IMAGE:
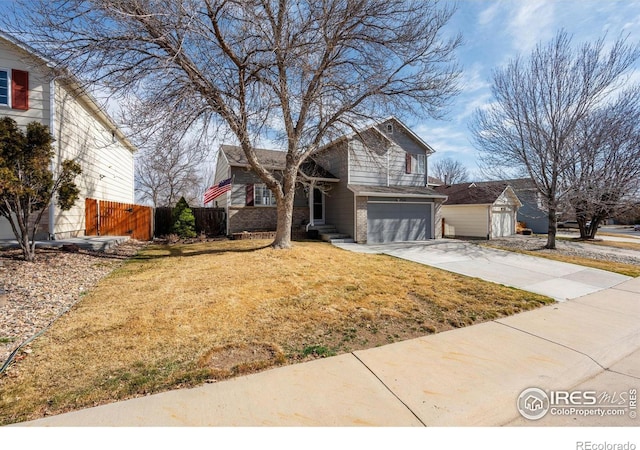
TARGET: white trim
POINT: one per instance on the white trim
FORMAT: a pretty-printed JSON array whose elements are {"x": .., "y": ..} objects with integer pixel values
[
  {"x": 52, "y": 130},
  {"x": 398, "y": 203},
  {"x": 348, "y": 162},
  {"x": 9, "y": 89},
  {"x": 388, "y": 166},
  {"x": 355, "y": 218},
  {"x": 312, "y": 204},
  {"x": 272, "y": 196},
  {"x": 395, "y": 194},
  {"x": 433, "y": 220}
]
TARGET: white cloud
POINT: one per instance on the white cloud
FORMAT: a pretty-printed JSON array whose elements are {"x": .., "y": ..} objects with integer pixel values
[
  {"x": 489, "y": 14},
  {"x": 532, "y": 21}
]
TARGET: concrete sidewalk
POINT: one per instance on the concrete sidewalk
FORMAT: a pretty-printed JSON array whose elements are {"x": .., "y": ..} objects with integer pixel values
[{"x": 465, "y": 377}]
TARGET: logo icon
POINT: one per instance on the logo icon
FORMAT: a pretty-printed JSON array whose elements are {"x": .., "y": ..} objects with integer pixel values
[{"x": 533, "y": 403}]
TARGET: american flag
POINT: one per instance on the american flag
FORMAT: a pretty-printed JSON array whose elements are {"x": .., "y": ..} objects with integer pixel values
[{"x": 216, "y": 191}]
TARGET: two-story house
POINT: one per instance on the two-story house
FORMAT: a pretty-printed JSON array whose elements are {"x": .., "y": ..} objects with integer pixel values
[
  {"x": 32, "y": 88},
  {"x": 370, "y": 185}
]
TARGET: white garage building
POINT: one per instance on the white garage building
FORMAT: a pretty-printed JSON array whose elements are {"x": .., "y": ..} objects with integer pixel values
[{"x": 485, "y": 210}]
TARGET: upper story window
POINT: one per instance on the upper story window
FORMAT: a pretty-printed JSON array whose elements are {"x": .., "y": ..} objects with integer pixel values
[
  {"x": 5, "y": 82},
  {"x": 416, "y": 164},
  {"x": 14, "y": 89},
  {"x": 389, "y": 128},
  {"x": 263, "y": 195}
]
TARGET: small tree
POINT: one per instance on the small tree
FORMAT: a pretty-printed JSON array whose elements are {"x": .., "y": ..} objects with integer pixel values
[
  {"x": 184, "y": 222},
  {"x": 450, "y": 171},
  {"x": 27, "y": 183},
  {"x": 533, "y": 124}
]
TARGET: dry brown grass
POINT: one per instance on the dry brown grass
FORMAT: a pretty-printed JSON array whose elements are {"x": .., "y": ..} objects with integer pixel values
[
  {"x": 615, "y": 244},
  {"x": 183, "y": 314},
  {"x": 629, "y": 270}
]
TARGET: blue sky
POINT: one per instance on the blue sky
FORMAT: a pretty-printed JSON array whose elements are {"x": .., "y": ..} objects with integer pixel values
[{"x": 494, "y": 31}]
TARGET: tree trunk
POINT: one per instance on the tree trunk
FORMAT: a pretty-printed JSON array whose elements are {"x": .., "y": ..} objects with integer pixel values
[
  {"x": 28, "y": 247},
  {"x": 551, "y": 237},
  {"x": 285, "y": 220}
]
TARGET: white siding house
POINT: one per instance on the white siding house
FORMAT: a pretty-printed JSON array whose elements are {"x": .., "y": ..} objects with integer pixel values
[
  {"x": 81, "y": 129},
  {"x": 485, "y": 210}
]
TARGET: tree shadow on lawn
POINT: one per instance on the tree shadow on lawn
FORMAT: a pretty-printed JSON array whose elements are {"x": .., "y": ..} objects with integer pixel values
[{"x": 182, "y": 250}]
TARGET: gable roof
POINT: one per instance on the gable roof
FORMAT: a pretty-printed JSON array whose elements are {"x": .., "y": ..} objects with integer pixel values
[
  {"x": 73, "y": 83},
  {"x": 374, "y": 127},
  {"x": 270, "y": 159},
  {"x": 479, "y": 193},
  {"x": 407, "y": 131},
  {"x": 273, "y": 160}
]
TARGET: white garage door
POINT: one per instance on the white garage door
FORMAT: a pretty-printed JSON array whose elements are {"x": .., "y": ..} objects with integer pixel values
[
  {"x": 502, "y": 222},
  {"x": 401, "y": 221}
]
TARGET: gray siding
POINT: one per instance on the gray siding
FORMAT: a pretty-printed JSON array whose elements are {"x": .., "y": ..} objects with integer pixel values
[
  {"x": 404, "y": 144},
  {"x": 243, "y": 176},
  {"x": 367, "y": 166},
  {"x": 383, "y": 163},
  {"x": 339, "y": 201},
  {"x": 530, "y": 213},
  {"x": 340, "y": 208}
]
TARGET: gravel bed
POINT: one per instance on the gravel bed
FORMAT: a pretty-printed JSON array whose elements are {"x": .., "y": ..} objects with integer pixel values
[
  {"x": 570, "y": 248},
  {"x": 32, "y": 295}
]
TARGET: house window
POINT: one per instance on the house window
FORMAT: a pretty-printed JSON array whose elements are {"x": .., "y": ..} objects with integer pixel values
[
  {"x": 389, "y": 128},
  {"x": 5, "y": 83},
  {"x": 421, "y": 164},
  {"x": 14, "y": 89},
  {"x": 263, "y": 195},
  {"x": 416, "y": 164}
]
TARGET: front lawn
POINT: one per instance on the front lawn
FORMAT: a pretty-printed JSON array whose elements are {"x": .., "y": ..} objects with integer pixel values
[{"x": 180, "y": 315}]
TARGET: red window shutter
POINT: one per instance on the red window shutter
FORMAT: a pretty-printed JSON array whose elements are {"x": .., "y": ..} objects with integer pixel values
[
  {"x": 249, "y": 201},
  {"x": 19, "y": 89},
  {"x": 407, "y": 163}
]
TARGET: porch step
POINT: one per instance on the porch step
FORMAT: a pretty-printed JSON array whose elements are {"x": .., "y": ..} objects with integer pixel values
[
  {"x": 332, "y": 237},
  {"x": 325, "y": 228},
  {"x": 342, "y": 241},
  {"x": 329, "y": 233}
]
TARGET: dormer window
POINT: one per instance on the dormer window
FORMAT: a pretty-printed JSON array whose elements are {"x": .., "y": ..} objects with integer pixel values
[{"x": 389, "y": 128}]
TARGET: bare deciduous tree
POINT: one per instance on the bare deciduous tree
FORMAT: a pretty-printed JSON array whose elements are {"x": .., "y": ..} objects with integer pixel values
[
  {"x": 531, "y": 126},
  {"x": 169, "y": 170},
  {"x": 450, "y": 171},
  {"x": 299, "y": 72},
  {"x": 605, "y": 175}
]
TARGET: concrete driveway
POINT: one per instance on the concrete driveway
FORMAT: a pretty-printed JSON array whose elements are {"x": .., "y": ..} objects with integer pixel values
[{"x": 561, "y": 281}]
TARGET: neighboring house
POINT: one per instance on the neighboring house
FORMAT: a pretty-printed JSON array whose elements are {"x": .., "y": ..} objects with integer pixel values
[
  {"x": 370, "y": 186},
  {"x": 484, "y": 210},
  {"x": 532, "y": 213},
  {"x": 33, "y": 89}
]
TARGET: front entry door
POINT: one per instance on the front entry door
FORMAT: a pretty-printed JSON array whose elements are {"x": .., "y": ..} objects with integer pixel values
[{"x": 318, "y": 207}]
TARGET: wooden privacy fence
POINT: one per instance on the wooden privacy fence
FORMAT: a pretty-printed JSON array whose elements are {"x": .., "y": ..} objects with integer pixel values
[
  {"x": 118, "y": 219},
  {"x": 210, "y": 221}
]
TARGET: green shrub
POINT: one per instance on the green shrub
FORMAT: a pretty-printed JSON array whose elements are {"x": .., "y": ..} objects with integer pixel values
[{"x": 184, "y": 222}]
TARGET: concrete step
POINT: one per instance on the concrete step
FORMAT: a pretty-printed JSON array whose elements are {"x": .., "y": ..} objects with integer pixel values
[
  {"x": 323, "y": 228},
  {"x": 328, "y": 237},
  {"x": 342, "y": 241}
]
